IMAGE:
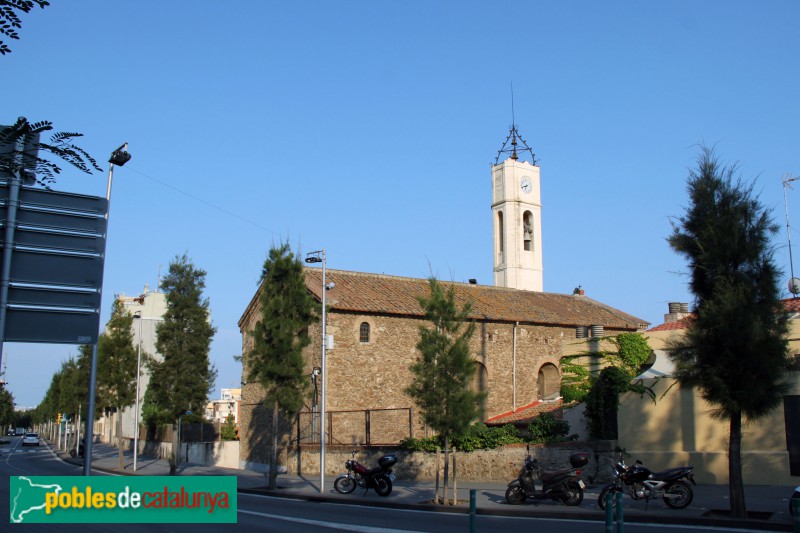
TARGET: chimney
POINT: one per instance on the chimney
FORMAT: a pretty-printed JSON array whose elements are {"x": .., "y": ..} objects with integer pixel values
[
  {"x": 579, "y": 291},
  {"x": 677, "y": 311}
]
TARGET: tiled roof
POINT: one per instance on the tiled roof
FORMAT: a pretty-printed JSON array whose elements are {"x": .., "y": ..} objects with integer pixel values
[
  {"x": 393, "y": 295},
  {"x": 791, "y": 305},
  {"x": 523, "y": 414},
  {"x": 520, "y": 415},
  {"x": 683, "y": 323}
]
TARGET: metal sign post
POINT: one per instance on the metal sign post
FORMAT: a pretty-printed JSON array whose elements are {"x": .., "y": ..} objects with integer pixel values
[{"x": 51, "y": 279}]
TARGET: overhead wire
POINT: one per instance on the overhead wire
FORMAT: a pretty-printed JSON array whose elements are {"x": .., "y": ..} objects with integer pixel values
[{"x": 201, "y": 200}]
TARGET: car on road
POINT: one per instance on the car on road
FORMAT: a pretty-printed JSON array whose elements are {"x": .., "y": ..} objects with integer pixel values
[{"x": 30, "y": 439}]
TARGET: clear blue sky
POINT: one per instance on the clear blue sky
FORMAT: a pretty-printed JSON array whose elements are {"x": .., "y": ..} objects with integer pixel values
[{"x": 368, "y": 129}]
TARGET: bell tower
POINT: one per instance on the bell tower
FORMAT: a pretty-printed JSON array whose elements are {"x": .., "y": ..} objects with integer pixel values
[{"x": 516, "y": 217}]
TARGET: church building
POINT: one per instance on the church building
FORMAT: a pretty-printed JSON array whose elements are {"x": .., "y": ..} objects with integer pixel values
[{"x": 372, "y": 326}]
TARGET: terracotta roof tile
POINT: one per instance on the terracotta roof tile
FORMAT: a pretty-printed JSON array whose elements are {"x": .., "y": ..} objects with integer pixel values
[
  {"x": 683, "y": 323},
  {"x": 378, "y": 293},
  {"x": 520, "y": 415},
  {"x": 791, "y": 305}
]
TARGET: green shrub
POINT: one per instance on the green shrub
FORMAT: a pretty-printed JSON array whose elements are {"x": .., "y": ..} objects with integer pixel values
[
  {"x": 425, "y": 444},
  {"x": 547, "y": 428},
  {"x": 228, "y": 430},
  {"x": 477, "y": 437}
]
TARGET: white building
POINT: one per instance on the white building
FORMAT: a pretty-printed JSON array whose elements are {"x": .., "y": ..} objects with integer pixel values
[
  {"x": 218, "y": 410},
  {"x": 148, "y": 310}
]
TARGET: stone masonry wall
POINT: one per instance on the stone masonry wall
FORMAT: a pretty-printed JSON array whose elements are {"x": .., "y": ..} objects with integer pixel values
[
  {"x": 501, "y": 464},
  {"x": 375, "y": 374}
]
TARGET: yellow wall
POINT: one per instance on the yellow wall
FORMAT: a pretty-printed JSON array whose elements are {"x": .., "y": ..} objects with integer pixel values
[{"x": 678, "y": 429}]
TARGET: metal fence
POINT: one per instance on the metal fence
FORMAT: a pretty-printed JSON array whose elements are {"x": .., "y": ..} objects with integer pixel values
[{"x": 369, "y": 427}]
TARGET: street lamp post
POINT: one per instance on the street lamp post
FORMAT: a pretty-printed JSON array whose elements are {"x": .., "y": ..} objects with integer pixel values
[
  {"x": 787, "y": 181},
  {"x": 119, "y": 157},
  {"x": 137, "y": 315},
  {"x": 319, "y": 257}
]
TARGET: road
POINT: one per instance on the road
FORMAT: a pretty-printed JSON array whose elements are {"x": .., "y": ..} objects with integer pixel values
[{"x": 271, "y": 514}]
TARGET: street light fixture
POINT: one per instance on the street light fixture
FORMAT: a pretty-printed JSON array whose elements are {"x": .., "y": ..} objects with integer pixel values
[
  {"x": 319, "y": 257},
  {"x": 137, "y": 315}
]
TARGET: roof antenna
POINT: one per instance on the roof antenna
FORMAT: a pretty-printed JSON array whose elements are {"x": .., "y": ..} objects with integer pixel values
[{"x": 513, "y": 135}]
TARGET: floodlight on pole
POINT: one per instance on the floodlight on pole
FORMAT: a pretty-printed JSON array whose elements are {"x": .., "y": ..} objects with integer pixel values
[
  {"x": 119, "y": 157},
  {"x": 794, "y": 283},
  {"x": 319, "y": 257}
]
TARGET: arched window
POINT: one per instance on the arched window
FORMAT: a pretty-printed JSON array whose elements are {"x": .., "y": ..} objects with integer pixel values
[
  {"x": 363, "y": 332},
  {"x": 500, "y": 241},
  {"x": 548, "y": 383},
  {"x": 527, "y": 231}
]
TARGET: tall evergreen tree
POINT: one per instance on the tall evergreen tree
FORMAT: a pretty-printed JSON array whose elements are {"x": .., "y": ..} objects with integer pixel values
[
  {"x": 6, "y": 408},
  {"x": 735, "y": 351},
  {"x": 182, "y": 381},
  {"x": 117, "y": 366},
  {"x": 276, "y": 360},
  {"x": 444, "y": 369}
]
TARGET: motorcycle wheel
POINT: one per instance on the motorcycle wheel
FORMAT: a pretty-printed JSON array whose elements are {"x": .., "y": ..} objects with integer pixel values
[
  {"x": 383, "y": 486},
  {"x": 515, "y": 495},
  {"x": 344, "y": 484},
  {"x": 678, "y": 494},
  {"x": 601, "y": 500},
  {"x": 574, "y": 494}
]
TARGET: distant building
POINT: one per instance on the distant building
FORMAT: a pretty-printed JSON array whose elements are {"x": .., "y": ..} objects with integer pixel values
[
  {"x": 150, "y": 307},
  {"x": 218, "y": 410}
]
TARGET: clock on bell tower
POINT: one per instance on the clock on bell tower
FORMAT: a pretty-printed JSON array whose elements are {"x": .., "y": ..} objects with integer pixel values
[{"x": 517, "y": 218}]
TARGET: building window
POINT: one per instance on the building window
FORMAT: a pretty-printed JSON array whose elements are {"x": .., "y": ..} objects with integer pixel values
[
  {"x": 527, "y": 231},
  {"x": 363, "y": 332},
  {"x": 501, "y": 245},
  {"x": 548, "y": 383}
]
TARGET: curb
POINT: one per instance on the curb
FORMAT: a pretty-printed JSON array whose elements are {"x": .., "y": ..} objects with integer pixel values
[
  {"x": 758, "y": 525},
  {"x": 585, "y": 515}
]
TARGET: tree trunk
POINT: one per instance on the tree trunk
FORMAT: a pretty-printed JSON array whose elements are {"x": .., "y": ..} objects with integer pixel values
[
  {"x": 436, "y": 491},
  {"x": 736, "y": 482},
  {"x": 273, "y": 458},
  {"x": 173, "y": 457},
  {"x": 455, "y": 479},
  {"x": 446, "y": 469},
  {"x": 119, "y": 439}
]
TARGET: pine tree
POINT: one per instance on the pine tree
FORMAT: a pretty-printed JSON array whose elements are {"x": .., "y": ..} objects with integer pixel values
[
  {"x": 116, "y": 358},
  {"x": 443, "y": 371},
  {"x": 276, "y": 360},
  {"x": 735, "y": 351},
  {"x": 182, "y": 381}
]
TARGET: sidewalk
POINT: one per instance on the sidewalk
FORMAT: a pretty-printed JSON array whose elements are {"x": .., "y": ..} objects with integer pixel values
[{"x": 768, "y": 505}]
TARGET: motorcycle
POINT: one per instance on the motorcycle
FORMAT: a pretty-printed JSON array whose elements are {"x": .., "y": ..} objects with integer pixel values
[
  {"x": 795, "y": 496},
  {"x": 643, "y": 484},
  {"x": 379, "y": 478},
  {"x": 559, "y": 485}
]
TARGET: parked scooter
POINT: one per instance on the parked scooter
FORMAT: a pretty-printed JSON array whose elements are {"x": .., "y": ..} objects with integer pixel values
[
  {"x": 560, "y": 485},
  {"x": 379, "y": 478},
  {"x": 642, "y": 484},
  {"x": 795, "y": 496}
]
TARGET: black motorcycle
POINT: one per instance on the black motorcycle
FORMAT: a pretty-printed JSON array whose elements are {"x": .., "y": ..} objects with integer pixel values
[
  {"x": 564, "y": 486},
  {"x": 643, "y": 484},
  {"x": 379, "y": 478}
]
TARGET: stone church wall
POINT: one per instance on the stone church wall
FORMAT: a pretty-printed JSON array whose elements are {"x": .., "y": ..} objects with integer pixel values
[{"x": 374, "y": 375}]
